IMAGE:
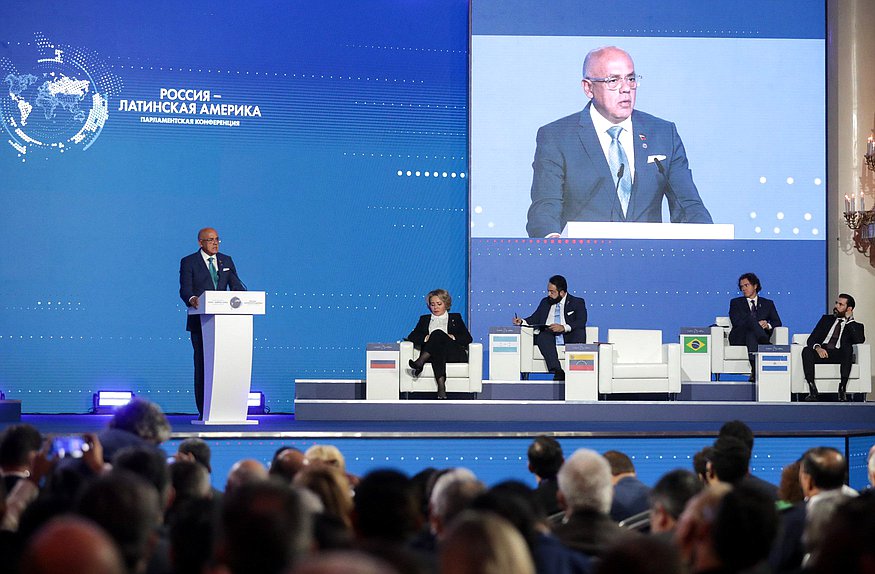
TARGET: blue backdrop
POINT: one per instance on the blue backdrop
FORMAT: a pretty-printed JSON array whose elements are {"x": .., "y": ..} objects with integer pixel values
[{"x": 107, "y": 176}]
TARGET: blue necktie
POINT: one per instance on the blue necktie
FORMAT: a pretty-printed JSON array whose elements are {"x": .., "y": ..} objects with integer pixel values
[
  {"x": 214, "y": 274},
  {"x": 617, "y": 156},
  {"x": 557, "y": 318}
]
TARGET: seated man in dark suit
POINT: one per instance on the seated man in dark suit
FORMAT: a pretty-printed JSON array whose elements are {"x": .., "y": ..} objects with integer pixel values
[
  {"x": 753, "y": 318},
  {"x": 631, "y": 496},
  {"x": 832, "y": 341},
  {"x": 564, "y": 316},
  {"x": 204, "y": 270}
]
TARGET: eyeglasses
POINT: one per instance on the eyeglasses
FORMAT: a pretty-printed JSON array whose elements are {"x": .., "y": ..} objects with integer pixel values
[
  {"x": 614, "y": 82},
  {"x": 211, "y": 240}
]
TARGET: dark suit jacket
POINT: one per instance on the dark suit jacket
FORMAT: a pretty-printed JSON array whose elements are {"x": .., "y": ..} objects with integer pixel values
[
  {"x": 742, "y": 322},
  {"x": 194, "y": 279},
  {"x": 455, "y": 325},
  {"x": 575, "y": 317},
  {"x": 592, "y": 533},
  {"x": 852, "y": 335},
  {"x": 631, "y": 496},
  {"x": 573, "y": 182}
]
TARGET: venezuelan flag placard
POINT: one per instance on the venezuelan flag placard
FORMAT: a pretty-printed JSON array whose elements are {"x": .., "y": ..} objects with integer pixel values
[
  {"x": 581, "y": 362},
  {"x": 695, "y": 344}
]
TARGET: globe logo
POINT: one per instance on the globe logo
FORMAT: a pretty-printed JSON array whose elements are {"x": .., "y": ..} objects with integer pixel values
[
  {"x": 55, "y": 104},
  {"x": 235, "y": 302}
]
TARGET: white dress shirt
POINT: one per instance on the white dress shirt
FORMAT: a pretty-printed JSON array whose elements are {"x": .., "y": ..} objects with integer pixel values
[{"x": 627, "y": 140}]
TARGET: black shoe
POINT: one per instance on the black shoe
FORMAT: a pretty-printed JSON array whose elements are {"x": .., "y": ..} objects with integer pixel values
[
  {"x": 441, "y": 387},
  {"x": 812, "y": 398},
  {"x": 752, "y": 378},
  {"x": 843, "y": 396},
  {"x": 417, "y": 369},
  {"x": 558, "y": 375}
]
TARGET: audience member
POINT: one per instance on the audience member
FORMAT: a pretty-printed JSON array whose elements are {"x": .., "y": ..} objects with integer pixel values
[
  {"x": 265, "y": 528},
  {"x": 246, "y": 471},
  {"x": 385, "y": 507},
  {"x": 189, "y": 481},
  {"x": 631, "y": 496},
  {"x": 71, "y": 545},
  {"x": 484, "y": 543},
  {"x": 585, "y": 492},
  {"x": 343, "y": 562},
  {"x": 646, "y": 555},
  {"x": 452, "y": 493},
  {"x": 287, "y": 462},
  {"x": 790, "y": 489},
  {"x": 332, "y": 488},
  {"x": 817, "y": 519},
  {"x": 195, "y": 450},
  {"x": 128, "y": 508},
  {"x": 745, "y": 527},
  {"x": 138, "y": 423},
  {"x": 741, "y": 431},
  {"x": 545, "y": 458},
  {"x": 192, "y": 532},
  {"x": 19, "y": 444},
  {"x": 700, "y": 463},
  {"x": 847, "y": 544},
  {"x": 694, "y": 533},
  {"x": 669, "y": 497}
]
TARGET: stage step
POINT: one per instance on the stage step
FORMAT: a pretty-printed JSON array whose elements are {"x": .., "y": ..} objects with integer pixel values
[
  {"x": 10, "y": 411},
  {"x": 718, "y": 391}
]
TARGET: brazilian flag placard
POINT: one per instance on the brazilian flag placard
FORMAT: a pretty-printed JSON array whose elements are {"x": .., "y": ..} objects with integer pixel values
[{"x": 693, "y": 344}]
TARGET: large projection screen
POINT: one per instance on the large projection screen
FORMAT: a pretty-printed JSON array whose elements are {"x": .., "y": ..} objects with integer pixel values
[{"x": 744, "y": 86}]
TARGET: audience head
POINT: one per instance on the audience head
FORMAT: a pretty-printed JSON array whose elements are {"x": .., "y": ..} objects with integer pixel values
[
  {"x": 621, "y": 464},
  {"x": 870, "y": 465},
  {"x": 326, "y": 454},
  {"x": 545, "y": 457},
  {"x": 265, "y": 528},
  {"x": 385, "y": 507},
  {"x": 700, "y": 463},
  {"x": 246, "y": 471},
  {"x": 344, "y": 562},
  {"x": 192, "y": 532},
  {"x": 822, "y": 468},
  {"x": 482, "y": 542},
  {"x": 641, "y": 555},
  {"x": 513, "y": 501},
  {"x": 19, "y": 444},
  {"x": 128, "y": 509},
  {"x": 669, "y": 497},
  {"x": 847, "y": 544},
  {"x": 739, "y": 430},
  {"x": 199, "y": 450},
  {"x": 818, "y": 517},
  {"x": 693, "y": 534},
  {"x": 332, "y": 488},
  {"x": 790, "y": 489},
  {"x": 286, "y": 463},
  {"x": 730, "y": 460},
  {"x": 744, "y": 527},
  {"x": 144, "y": 419},
  {"x": 71, "y": 545},
  {"x": 452, "y": 493},
  {"x": 149, "y": 464},
  {"x": 190, "y": 481},
  {"x": 585, "y": 483}
]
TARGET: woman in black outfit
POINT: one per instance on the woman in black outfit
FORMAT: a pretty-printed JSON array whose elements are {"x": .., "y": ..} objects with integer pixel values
[{"x": 441, "y": 337}]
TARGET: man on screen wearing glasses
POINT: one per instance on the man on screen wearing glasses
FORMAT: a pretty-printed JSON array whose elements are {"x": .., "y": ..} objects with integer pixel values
[
  {"x": 610, "y": 162},
  {"x": 204, "y": 270}
]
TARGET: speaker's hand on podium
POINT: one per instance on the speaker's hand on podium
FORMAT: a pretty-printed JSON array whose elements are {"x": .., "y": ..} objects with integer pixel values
[{"x": 193, "y": 301}]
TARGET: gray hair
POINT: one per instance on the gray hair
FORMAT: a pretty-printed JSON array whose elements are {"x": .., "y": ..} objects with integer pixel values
[
  {"x": 585, "y": 481},
  {"x": 144, "y": 419}
]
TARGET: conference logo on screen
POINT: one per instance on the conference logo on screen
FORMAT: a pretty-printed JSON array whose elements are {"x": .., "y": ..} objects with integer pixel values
[{"x": 56, "y": 98}]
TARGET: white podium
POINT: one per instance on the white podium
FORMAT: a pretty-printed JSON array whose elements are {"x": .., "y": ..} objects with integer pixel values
[
  {"x": 382, "y": 381},
  {"x": 581, "y": 372},
  {"x": 226, "y": 321}
]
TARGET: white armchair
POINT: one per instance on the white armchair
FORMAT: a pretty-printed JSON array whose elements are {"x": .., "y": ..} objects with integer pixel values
[
  {"x": 637, "y": 361},
  {"x": 726, "y": 358},
  {"x": 461, "y": 377},
  {"x": 826, "y": 376},
  {"x": 531, "y": 359}
]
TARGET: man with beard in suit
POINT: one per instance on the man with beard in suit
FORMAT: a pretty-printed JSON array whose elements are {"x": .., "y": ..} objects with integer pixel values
[{"x": 832, "y": 341}]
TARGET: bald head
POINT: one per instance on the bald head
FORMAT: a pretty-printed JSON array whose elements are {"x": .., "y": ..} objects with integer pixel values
[
  {"x": 208, "y": 239},
  {"x": 823, "y": 468},
  {"x": 74, "y": 546},
  {"x": 614, "y": 102},
  {"x": 287, "y": 463},
  {"x": 245, "y": 471}
]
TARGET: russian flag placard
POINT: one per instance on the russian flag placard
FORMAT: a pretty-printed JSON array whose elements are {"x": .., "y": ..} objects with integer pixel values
[{"x": 383, "y": 364}]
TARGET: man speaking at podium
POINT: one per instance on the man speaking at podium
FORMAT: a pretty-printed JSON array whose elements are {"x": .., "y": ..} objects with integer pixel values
[
  {"x": 608, "y": 162},
  {"x": 204, "y": 270}
]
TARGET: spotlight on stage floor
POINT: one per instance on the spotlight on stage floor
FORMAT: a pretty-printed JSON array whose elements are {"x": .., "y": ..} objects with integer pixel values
[
  {"x": 105, "y": 402},
  {"x": 255, "y": 404}
]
